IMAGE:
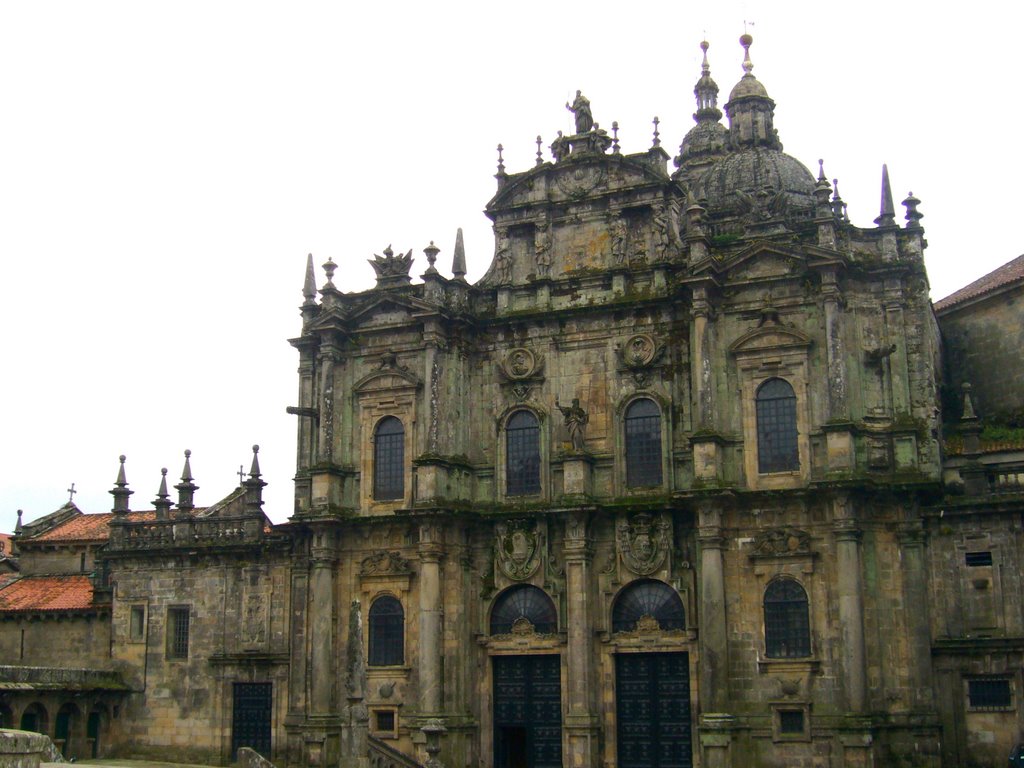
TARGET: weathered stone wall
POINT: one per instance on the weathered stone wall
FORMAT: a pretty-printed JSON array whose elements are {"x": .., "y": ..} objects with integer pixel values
[
  {"x": 78, "y": 641},
  {"x": 22, "y": 749},
  {"x": 982, "y": 344}
]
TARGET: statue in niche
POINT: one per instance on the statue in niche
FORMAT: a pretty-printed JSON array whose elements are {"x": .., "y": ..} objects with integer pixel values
[
  {"x": 580, "y": 109},
  {"x": 619, "y": 241},
  {"x": 542, "y": 247},
  {"x": 575, "y": 421},
  {"x": 661, "y": 238},
  {"x": 504, "y": 260}
]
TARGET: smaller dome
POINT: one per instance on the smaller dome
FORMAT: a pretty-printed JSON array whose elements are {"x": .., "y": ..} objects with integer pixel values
[
  {"x": 705, "y": 138},
  {"x": 748, "y": 86}
]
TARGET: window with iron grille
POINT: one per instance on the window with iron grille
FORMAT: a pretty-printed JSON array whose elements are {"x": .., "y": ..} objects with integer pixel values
[
  {"x": 523, "y": 602},
  {"x": 652, "y": 598},
  {"x": 791, "y": 722},
  {"x": 776, "y": 428},
  {"x": 177, "y": 632},
  {"x": 643, "y": 444},
  {"x": 137, "y": 623},
  {"x": 989, "y": 693},
  {"x": 787, "y": 632},
  {"x": 522, "y": 459},
  {"x": 389, "y": 459},
  {"x": 387, "y": 632}
]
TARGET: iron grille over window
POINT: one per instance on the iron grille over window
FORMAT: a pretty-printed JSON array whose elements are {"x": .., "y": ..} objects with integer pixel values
[
  {"x": 177, "y": 633},
  {"x": 523, "y": 602},
  {"x": 787, "y": 632},
  {"x": 643, "y": 444},
  {"x": 776, "y": 428},
  {"x": 522, "y": 463},
  {"x": 992, "y": 693},
  {"x": 387, "y": 632},
  {"x": 389, "y": 459},
  {"x": 648, "y": 598},
  {"x": 791, "y": 722}
]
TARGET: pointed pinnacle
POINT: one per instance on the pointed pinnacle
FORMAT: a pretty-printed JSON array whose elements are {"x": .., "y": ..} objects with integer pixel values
[
  {"x": 887, "y": 215},
  {"x": 254, "y": 471},
  {"x": 121, "y": 481},
  {"x": 162, "y": 493},
  {"x": 186, "y": 472},
  {"x": 459, "y": 259},
  {"x": 309, "y": 286}
]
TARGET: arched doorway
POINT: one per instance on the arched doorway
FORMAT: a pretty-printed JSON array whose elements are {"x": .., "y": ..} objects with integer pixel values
[
  {"x": 64, "y": 727},
  {"x": 94, "y": 727},
  {"x": 652, "y": 690},
  {"x": 6, "y": 716},
  {"x": 35, "y": 718}
]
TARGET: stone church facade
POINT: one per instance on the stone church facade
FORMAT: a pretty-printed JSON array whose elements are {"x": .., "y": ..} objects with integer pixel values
[{"x": 666, "y": 487}]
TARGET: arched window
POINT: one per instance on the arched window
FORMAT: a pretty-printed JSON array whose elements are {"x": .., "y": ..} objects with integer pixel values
[
  {"x": 787, "y": 632},
  {"x": 387, "y": 632},
  {"x": 522, "y": 454},
  {"x": 524, "y": 602},
  {"x": 648, "y": 598},
  {"x": 35, "y": 718},
  {"x": 388, "y": 459},
  {"x": 643, "y": 444},
  {"x": 776, "y": 428}
]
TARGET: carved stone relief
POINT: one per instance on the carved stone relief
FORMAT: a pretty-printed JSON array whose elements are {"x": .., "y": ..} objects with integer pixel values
[
  {"x": 644, "y": 542},
  {"x": 781, "y": 542},
  {"x": 385, "y": 563},
  {"x": 519, "y": 548}
]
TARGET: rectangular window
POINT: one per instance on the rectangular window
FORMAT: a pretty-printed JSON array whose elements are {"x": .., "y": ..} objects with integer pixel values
[
  {"x": 137, "y": 623},
  {"x": 990, "y": 693},
  {"x": 791, "y": 722},
  {"x": 177, "y": 632},
  {"x": 977, "y": 559},
  {"x": 385, "y": 722}
]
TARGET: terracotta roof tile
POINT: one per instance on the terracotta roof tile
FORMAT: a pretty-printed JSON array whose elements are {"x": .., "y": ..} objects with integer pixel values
[
  {"x": 47, "y": 593},
  {"x": 1010, "y": 272},
  {"x": 89, "y": 527}
]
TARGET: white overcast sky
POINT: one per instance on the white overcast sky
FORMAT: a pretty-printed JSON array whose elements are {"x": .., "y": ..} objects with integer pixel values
[{"x": 167, "y": 166}]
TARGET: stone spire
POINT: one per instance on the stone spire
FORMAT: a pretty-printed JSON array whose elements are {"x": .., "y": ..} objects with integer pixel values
[
  {"x": 887, "y": 214},
  {"x": 707, "y": 140},
  {"x": 17, "y": 526},
  {"x": 186, "y": 488},
  {"x": 750, "y": 110},
  {"x": 254, "y": 485},
  {"x": 120, "y": 491},
  {"x": 162, "y": 503},
  {"x": 459, "y": 259},
  {"x": 309, "y": 286}
]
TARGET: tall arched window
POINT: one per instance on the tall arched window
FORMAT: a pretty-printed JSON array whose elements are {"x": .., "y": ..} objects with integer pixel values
[
  {"x": 776, "y": 427},
  {"x": 643, "y": 444},
  {"x": 387, "y": 632},
  {"x": 524, "y": 602},
  {"x": 654, "y": 599},
  {"x": 522, "y": 454},
  {"x": 389, "y": 459},
  {"x": 787, "y": 631}
]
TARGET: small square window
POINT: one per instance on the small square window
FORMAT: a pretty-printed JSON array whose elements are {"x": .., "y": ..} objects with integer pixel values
[
  {"x": 385, "y": 722},
  {"x": 978, "y": 559},
  {"x": 177, "y": 632},
  {"x": 791, "y": 722},
  {"x": 989, "y": 694},
  {"x": 137, "y": 623}
]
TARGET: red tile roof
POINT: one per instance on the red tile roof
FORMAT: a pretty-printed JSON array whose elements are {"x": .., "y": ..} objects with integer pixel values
[
  {"x": 89, "y": 527},
  {"x": 47, "y": 593},
  {"x": 1010, "y": 272}
]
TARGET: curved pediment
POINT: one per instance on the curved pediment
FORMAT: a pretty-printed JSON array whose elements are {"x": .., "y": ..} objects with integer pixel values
[
  {"x": 769, "y": 337},
  {"x": 389, "y": 376}
]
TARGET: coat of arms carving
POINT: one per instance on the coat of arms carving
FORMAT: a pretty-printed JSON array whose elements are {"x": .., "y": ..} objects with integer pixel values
[
  {"x": 644, "y": 542},
  {"x": 518, "y": 548},
  {"x": 782, "y": 542},
  {"x": 384, "y": 563}
]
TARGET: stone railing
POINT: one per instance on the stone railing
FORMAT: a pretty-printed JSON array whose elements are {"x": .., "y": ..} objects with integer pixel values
[
  {"x": 1006, "y": 480},
  {"x": 383, "y": 756},
  {"x": 24, "y": 749},
  {"x": 190, "y": 532},
  {"x": 250, "y": 758}
]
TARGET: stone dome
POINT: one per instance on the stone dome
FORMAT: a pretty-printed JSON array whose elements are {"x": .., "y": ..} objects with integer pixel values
[
  {"x": 754, "y": 171},
  {"x": 704, "y": 139},
  {"x": 748, "y": 86}
]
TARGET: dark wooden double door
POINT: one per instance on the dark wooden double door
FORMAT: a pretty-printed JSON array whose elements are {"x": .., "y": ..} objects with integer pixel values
[
  {"x": 250, "y": 726},
  {"x": 527, "y": 712},
  {"x": 652, "y": 692}
]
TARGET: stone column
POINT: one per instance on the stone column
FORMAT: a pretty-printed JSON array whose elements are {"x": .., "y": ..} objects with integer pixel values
[
  {"x": 580, "y": 724},
  {"x": 322, "y": 621},
  {"x": 714, "y": 651},
  {"x": 431, "y": 550},
  {"x": 838, "y": 432},
  {"x": 915, "y": 597},
  {"x": 700, "y": 360},
  {"x": 851, "y": 603}
]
